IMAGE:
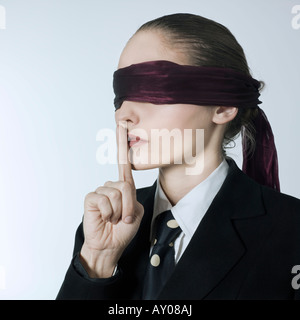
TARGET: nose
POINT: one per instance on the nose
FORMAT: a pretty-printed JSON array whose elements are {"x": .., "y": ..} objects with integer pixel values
[{"x": 127, "y": 112}]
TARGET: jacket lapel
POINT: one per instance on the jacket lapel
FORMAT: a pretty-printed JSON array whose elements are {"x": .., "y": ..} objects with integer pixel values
[{"x": 216, "y": 246}]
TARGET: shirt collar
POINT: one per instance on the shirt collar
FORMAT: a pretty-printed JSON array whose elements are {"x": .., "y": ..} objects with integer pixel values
[{"x": 190, "y": 209}]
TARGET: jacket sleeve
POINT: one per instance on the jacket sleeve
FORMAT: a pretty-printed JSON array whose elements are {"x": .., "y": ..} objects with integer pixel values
[{"x": 76, "y": 286}]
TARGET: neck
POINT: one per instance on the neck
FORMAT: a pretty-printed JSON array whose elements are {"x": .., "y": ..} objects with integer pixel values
[{"x": 176, "y": 183}]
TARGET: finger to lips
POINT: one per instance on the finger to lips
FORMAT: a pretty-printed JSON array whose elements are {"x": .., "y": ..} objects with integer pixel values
[
  {"x": 124, "y": 165},
  {"x": 125, "y": 174}
]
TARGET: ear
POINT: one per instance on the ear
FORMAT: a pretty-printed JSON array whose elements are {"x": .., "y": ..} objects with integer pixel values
[{"x": 224, "y": 114}]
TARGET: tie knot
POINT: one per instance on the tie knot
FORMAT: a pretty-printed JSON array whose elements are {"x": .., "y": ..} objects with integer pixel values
[{"x": 167, "y": 228}]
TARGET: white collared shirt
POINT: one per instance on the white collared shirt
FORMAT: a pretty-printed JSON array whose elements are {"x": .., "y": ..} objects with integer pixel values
[{"x": 190, "y": 209}]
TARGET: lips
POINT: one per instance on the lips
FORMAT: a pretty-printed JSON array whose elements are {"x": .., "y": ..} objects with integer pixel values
[
  {"x": 132, "y": 137},
  {"x": 135, "y": 140}
]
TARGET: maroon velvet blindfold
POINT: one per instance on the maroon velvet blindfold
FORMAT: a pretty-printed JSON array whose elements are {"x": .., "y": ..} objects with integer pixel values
[{"x": 165, "y": 82}]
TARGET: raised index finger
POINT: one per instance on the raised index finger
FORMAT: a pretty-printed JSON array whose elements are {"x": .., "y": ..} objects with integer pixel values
[{"x": 124, "y": 164}]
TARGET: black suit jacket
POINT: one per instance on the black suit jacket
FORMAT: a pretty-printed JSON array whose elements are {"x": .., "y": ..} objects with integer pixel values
[{"x": 244, "y": 248}]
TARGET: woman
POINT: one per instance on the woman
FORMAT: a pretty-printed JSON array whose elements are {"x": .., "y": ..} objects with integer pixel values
[{"x": 236, "y": 238}]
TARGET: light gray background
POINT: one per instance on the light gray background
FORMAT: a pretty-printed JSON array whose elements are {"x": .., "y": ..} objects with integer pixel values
[{"x": 56, "y": 63}]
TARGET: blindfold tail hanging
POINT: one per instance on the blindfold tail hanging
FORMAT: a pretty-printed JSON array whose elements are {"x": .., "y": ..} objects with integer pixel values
[{"x": 262, "y": 164}]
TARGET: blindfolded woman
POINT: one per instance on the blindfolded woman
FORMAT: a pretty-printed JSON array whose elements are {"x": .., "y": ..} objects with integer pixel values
[{"x": 205, "y": 229}]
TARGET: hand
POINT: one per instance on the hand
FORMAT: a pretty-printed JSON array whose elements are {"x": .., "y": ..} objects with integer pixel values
[{"x": 112, "y": 216}]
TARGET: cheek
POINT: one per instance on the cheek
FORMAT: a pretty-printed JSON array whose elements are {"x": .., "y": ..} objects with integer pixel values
[
  {"x": 189, "y": 119},
  {"x": 193, "y": 139},
  {"x": 171, "y": 117},
  {"x": 180, "y": 117}
]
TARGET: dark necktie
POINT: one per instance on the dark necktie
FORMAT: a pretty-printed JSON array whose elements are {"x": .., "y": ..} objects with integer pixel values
[{"x": 162, "y": 262}]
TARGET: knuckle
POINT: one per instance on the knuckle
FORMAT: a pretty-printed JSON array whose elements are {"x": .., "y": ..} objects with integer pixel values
[
  {"x": 88, "y": 196},
  {"x": 102, "y": 200},
  {"x": 114, "y": 194},
  {"x": 107, "y": 183},
  {"x": 99, "y": 190}
]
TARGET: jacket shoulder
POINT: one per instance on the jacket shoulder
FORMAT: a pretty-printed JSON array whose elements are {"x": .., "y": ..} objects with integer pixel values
[
  {"x": 281, "y": 199},
  {"x": 281, "y": 205}
]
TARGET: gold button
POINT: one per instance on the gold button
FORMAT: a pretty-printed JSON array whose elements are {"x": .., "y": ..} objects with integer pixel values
[
  {"x": 155, "y": 260},
  {"x": 172, "y": 224}
]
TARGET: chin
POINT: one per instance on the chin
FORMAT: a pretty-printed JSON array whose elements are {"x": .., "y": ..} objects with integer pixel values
[
  {"x": 149, "y": 166},
  {"x": 143, "y": 166}
]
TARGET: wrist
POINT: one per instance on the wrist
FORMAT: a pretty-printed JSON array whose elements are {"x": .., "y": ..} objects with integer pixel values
[{"x": 97, "y": 263}]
